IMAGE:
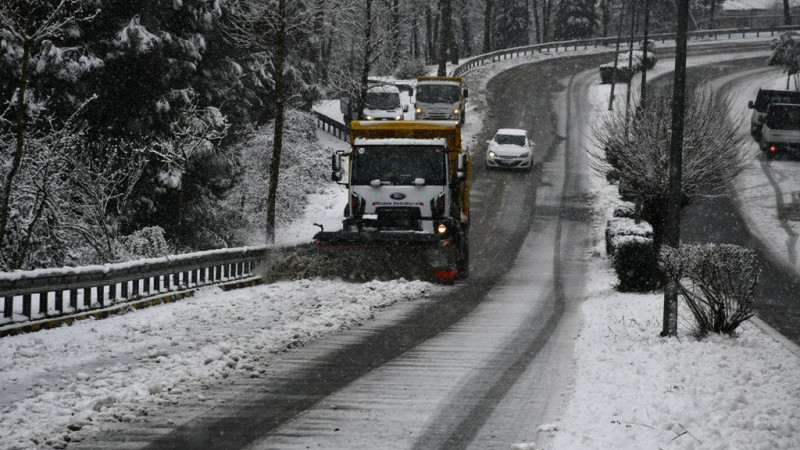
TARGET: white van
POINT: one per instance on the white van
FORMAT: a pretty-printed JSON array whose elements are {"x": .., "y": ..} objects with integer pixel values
[
  {"x": 780, "y": 132},
  {"x": 383, "y": 103},
  {"x": 759, "y": 106}
]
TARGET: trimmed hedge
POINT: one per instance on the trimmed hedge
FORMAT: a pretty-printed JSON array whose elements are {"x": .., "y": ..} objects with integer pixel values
[
  {"x": 629, "y": 244},
  {"x": 624, "y": 226},
  {"x": 635, "y": 264}
]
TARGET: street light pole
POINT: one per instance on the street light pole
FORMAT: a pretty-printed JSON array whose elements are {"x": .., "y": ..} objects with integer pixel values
[{"x": 673, "y": 234}]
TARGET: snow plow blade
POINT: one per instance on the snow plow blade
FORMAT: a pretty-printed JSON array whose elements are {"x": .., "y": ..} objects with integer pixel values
[
  {"x": 392, "y": 254},
  {"x": 333, "y": 238}
]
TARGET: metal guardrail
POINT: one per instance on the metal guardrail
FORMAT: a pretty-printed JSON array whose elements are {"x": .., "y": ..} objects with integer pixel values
[
  {"x": 341, "y": 131},
  {"x": 333, "y": 127},
  {"x": 38, "y": 298},
  {"x": 548, "y": 47}
]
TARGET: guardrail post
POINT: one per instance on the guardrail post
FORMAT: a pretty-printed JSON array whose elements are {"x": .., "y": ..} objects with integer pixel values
[
  {"x": 26, "y": 305},
  {"x": 59, "y": 301},
  {"x": 135, "y": 288},
  {"x": 112, "y": 292},
  {"x": 73, "y": 299},
  {"x": 43, "y": 302},
  {"x": 159, "y": 282},
  {"x": 8, "y": 306},
  {"x": 123, "y": 288}
]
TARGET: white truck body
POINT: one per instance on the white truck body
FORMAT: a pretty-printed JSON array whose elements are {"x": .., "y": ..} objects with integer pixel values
[
  {"x": 383, "y": 103},
  {"x": 408, "y": 192},
  {"x": 764, "y": 98},
  {"x": 400, "y": 185},
  {"x": 439, "y": 98},
  {"x": 780, "y": 132}
]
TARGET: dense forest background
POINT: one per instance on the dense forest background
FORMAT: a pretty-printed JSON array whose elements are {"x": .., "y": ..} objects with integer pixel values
[{"x": 138, "y": 128}]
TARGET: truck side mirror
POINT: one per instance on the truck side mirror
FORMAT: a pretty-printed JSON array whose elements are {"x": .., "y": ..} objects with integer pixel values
[
  {"x": 462, "y": 165},
  {"x": 466, "y": 92},
  {"x": 344, "y": 105},
  {"x": 336, "y": 167},
  {"x": 750, "y": 104},
  {"x": 405, "y": 108}
]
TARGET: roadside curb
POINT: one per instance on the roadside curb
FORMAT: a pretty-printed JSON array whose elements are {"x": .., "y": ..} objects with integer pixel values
[{"x": 781, "y": 339}]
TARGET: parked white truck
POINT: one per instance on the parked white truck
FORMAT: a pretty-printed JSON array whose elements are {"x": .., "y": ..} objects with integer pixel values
[
  {"x": 780, "y": 133},
  {"x": 381, "y": 103},
  {"x": 764, "y": 98},
  {"x": 408, "y": 192},
  {"x": 440, "y": 98}
]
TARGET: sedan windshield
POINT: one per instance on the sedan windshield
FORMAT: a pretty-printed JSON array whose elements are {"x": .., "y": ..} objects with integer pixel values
[
  {"x": 399, "y": 165},
  {"x": 510, "y": 139}
]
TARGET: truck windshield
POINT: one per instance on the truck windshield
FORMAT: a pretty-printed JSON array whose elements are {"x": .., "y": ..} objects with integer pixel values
[
  {"x": 438, "y": 93},
  {"x": 383, "y": 100},
  {"x": 399, "y": 164},
  {"x": 784, "y": 119}
]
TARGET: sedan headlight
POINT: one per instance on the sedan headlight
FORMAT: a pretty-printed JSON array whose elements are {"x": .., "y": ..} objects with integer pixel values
[
  {"x": 492, "y": 154},
  {"x": 525, "y": 155}
]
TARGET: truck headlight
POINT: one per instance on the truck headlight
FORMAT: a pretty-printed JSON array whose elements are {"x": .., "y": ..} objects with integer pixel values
[
  {"x": 418, "y": 110},
  {"x": 441, "y": 228},
  {"x": 456, "y": 111},
  {"x": 369, "y": 117}
]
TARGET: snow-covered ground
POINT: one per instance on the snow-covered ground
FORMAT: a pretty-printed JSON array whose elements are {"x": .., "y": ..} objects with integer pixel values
[{"x": 632, "y": 389}]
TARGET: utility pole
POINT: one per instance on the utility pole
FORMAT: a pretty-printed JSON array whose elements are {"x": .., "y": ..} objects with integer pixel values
[
  {"x": 673, "y": 235},
  {"x": 643, "y": 95},
  {"x": 630, "y": 63},
  {"x": 616, "y": 58}
]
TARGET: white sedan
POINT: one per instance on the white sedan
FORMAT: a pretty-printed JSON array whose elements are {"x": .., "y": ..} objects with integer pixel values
[{"x": 510, "y": 148}]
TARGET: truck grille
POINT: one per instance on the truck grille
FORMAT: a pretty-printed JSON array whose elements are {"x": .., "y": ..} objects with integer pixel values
[{"x": 399, "y": 218}]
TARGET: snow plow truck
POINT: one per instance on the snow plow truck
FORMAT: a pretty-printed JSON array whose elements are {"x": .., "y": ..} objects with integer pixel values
[{"x": 408, "y": 198}]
